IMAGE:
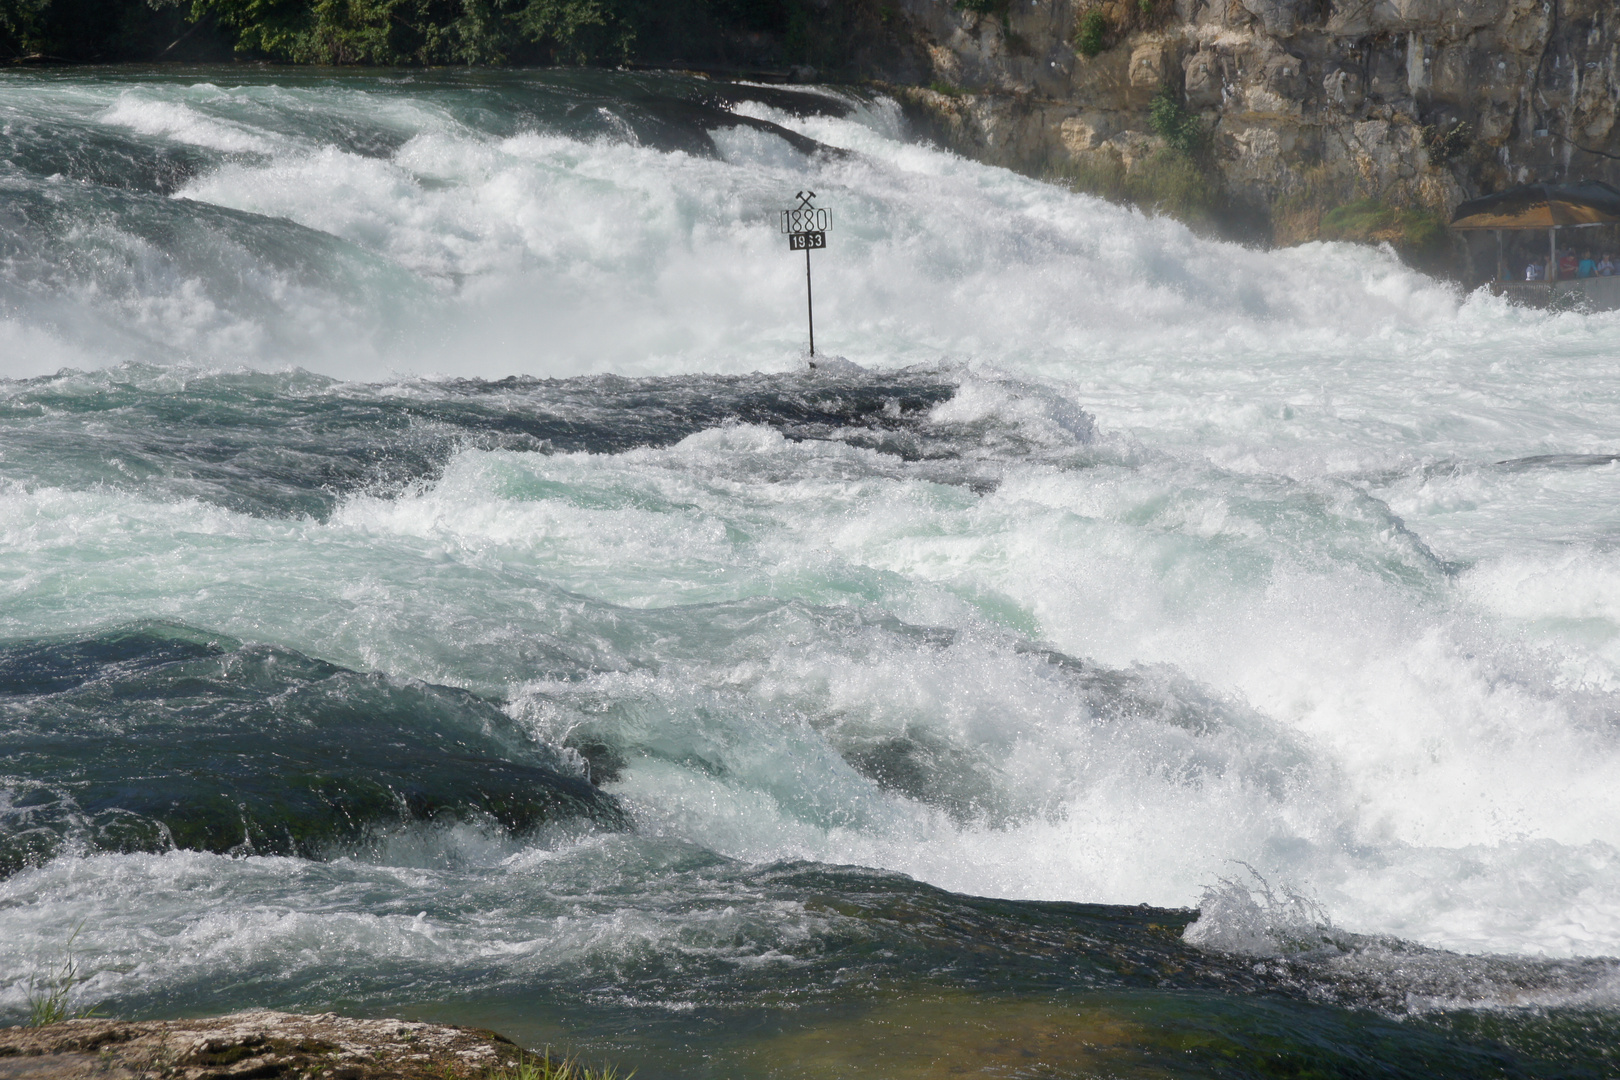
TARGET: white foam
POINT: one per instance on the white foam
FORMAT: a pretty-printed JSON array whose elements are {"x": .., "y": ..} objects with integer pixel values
[
  {"x": 1412, "y": 733},
  {"x": 1422, "y": 774},
  {"x": 570, "y": 256},
  {"x": 1270, "y": 472},
  {"x": 183, "y": 124}
]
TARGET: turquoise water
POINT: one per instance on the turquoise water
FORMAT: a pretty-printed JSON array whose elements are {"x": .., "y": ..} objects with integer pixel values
[{"x": 433, "y": 582}]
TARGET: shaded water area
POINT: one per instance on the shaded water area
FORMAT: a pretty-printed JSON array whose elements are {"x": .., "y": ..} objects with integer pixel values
[{"x": 433, "y": 584}]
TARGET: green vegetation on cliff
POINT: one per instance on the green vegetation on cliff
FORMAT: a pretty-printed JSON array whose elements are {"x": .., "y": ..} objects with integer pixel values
[
  {"x": 1170, "y": 120},
  {"x": 1372, "y": 221},
  {"x": 1322, "y": 206},
  {"x": 1177, "y": 179},
  {"x": 1163, "y": 182},
  {"x": 1091, "y": 33},
  {"x": 414, "y": 32}
]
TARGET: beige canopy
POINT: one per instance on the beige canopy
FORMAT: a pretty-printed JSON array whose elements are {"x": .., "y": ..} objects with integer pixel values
[{"x": 1541, "y": 206}]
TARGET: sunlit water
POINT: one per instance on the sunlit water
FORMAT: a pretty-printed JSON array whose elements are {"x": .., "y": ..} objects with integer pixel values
[{"x": 1103, "y": 564}]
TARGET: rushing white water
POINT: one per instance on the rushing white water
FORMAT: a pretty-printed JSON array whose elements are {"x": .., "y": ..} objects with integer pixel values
[{"x": 1344, "y": 539}]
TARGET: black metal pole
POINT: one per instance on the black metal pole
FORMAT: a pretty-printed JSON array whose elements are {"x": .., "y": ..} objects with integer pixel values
[{"x": 809, "y": 302}]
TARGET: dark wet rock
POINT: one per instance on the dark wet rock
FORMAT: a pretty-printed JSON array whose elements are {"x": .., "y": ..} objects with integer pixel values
[
  {"x": 295, "y": 445},
  {"x": 152, "y": 737}
]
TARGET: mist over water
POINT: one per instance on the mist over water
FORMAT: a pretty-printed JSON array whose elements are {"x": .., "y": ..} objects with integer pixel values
[{"x": 1116, "y": 565}]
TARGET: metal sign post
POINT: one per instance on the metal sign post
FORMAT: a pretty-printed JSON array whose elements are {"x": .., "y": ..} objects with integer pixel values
[{"x": 806, "y": 229}]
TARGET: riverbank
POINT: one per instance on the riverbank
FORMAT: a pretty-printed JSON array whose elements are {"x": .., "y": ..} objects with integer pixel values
[{"x": 256, "y": 1043}]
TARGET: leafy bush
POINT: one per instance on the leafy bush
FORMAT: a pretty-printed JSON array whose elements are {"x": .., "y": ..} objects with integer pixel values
[
  {"x": 1447, "y": 145},
  {"x": 424, "y": 31},
  {"x": 1170, "y": 119},
  {"x": 20, "y": 24},
  {"x": 413, "y": 32},
  {"x": 89, "y": 30},
  {"x": 1088, "y": 39}
]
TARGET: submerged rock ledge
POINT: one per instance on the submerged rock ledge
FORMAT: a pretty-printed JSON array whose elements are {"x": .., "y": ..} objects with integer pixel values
[{"x": 250, "y": 1046}]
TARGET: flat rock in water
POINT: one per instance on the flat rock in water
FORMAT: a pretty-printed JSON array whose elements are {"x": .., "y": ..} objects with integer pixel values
[{"x": 250, "y": 1046}]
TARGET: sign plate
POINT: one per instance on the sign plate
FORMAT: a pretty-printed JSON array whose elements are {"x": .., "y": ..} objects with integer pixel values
[
  {"x": 806, "y": 226},
  {"x": 805, "y": 218}
]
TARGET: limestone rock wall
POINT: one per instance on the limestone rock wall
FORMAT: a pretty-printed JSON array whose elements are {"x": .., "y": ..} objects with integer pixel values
[{"x": 1358, "y": 94}]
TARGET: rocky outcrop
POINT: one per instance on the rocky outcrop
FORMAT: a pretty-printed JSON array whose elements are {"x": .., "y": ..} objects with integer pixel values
[
  {"x": 251, "y": 1046},
  {"x": 1415, "y": 102}
]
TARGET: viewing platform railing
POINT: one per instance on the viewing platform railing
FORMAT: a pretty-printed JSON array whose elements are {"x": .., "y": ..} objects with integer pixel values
[{"x": 1593, "y": 293}]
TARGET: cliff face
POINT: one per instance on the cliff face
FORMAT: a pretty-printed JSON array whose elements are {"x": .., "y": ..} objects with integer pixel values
[{"x": 1418, "y": 103}]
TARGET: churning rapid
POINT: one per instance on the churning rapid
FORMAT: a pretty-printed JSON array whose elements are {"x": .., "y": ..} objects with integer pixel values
[{"x": 432, "y": 581}]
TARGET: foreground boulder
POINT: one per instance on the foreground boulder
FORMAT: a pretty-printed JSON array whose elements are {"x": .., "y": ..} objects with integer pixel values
[{"x": 250, "y": 1046}]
